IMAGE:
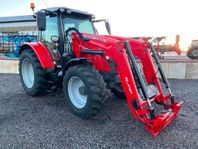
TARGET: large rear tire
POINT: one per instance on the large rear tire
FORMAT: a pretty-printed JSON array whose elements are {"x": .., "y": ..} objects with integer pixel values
[
  {"x": 33, "y": 77},
  {"x": 84, "y": 89},
  {"x": 193, "y": 53},
  {"x": 118, "y": 91},
  {"x": 114, "y": 84}
]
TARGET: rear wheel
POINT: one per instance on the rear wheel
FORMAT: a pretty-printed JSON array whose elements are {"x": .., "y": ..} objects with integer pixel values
[
  {"x": 195, "y": 53},
  {"x": 85, "y": 90},
  {"x": 118, "y": 91},
  {"x": 113, "y": 83},
  {"x": 192, "y": 53},
  {"x": 32, "y": 75}
]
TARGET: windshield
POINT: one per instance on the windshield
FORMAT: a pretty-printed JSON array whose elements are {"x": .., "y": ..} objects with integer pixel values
[{"x": 82, "y": 25}]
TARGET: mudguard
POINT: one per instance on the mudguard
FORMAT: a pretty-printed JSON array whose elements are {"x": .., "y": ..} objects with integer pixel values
[
  {"x": 42, "y": 53},
  {"x": 75, "y": 61}
]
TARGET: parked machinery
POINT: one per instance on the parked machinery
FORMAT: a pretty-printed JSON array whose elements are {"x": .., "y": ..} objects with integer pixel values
[
  {"x": 161, "y": 47},
  {"x": 193, "y": 50}
]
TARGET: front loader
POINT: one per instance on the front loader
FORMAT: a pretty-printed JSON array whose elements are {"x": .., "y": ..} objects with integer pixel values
[{"x": 71, "y": 53}]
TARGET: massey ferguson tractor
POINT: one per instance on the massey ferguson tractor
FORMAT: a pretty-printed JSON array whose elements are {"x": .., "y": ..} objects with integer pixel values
[{"x": 70, "y": 53}]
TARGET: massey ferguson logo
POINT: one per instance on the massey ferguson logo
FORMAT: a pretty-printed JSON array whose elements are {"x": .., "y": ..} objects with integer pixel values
[{"x": 129, "y": 87}]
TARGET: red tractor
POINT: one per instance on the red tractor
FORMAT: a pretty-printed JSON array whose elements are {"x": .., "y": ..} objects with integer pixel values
[{"x": 69, "y": 52}]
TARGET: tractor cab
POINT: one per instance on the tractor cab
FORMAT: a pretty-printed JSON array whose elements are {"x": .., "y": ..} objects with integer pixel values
[{"x": 53, "y": 23}]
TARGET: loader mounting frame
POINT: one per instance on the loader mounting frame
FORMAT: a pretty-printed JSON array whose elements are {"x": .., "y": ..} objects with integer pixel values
[
  {"x": 124, "y": 54},
  {"x": 155, "y": 123}
]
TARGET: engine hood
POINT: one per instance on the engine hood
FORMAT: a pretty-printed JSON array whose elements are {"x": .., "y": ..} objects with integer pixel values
[{"x": 109, "y": 40}]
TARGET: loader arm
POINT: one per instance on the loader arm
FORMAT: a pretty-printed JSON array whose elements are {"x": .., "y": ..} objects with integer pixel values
[{"x": 99, "y": 50}]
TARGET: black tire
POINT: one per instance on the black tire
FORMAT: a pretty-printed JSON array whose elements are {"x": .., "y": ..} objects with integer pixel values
[
  {"x": 114, "y": 84},
  {"x": 192, "y": 53},
  {"x": 95, "y": 89},
  {"x": 118, "y": 91},
  {"x": 40, "y": 83}
]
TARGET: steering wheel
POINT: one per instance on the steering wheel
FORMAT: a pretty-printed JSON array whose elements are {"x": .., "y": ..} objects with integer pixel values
[
  {"x": 75, "y": 30},
  {"x": 54, "y": 38}
]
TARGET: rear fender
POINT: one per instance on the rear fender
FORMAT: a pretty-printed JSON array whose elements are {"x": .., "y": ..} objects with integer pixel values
[{"x": 41, "y": 52}]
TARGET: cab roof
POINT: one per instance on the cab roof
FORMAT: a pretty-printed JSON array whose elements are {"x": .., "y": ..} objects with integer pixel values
[{"x": 70, "y": 11}]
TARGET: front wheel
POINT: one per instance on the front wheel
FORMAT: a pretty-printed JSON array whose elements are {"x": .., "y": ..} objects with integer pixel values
[{"x": 84, "y": 89}]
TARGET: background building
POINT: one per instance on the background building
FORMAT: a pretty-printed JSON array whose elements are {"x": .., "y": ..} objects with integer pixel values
[{"x": 16, "y": 30}]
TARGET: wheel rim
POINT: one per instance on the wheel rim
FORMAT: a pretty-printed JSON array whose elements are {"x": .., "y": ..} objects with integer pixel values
[
  {"x": 77, "y": 92},
  {"x": 27, "y": 73},
  {"x": 195, "y": 53}
]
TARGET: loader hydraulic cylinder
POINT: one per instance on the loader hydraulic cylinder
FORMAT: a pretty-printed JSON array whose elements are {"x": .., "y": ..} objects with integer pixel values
[
  {"x": 139, "y": 77},
  {"x": 159, "y": 66},
  {"x": 161, "y": 71}
]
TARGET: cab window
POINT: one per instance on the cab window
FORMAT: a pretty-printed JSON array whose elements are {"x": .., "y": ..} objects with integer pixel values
[{"x": 51, "y": 30}]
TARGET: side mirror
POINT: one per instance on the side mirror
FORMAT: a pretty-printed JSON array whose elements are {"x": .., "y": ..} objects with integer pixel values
[
  {"x": 41, "y": 20},
  {"x": 108, "y": 27}
]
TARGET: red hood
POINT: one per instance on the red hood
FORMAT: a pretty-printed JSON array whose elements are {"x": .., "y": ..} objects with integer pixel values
[{"x": 109, "y": 40}]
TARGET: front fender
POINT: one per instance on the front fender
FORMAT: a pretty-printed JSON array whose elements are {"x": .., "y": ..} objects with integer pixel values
[
  {"x": 75, "y": 61},
  {"x": 41, "y": 52}
]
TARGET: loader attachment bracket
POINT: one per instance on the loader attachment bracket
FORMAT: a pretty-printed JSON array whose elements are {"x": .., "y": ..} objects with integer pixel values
[
  {"x": 162, "y": 120},
  {"x": 153, "y": 117}
]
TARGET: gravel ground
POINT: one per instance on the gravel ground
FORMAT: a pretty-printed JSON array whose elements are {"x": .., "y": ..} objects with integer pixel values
[{"x": 47, "y": 122}]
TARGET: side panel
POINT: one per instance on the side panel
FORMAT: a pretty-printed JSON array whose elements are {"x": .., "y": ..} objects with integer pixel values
[{"x": 42, "y": 53}]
